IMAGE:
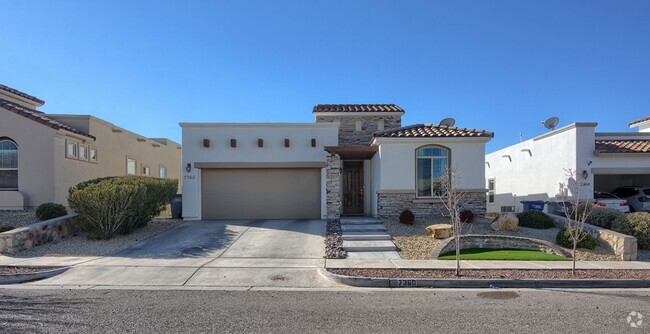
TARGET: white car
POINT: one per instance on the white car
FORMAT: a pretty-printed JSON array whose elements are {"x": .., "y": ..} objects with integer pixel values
[
  {"x": 609, "y": 201},
  {"x": 637, "y": 197}
]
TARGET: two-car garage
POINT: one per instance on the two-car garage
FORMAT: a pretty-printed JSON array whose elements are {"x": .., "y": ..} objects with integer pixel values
[{"x": 261, "y": 193}]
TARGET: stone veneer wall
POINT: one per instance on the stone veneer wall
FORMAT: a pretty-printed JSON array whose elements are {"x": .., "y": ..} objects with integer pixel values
[
  {"x": 333, "y": 187},
  {"x": 349, "y": 136},
  {"x": 390, "y": 205},
  {"x": 35, "y": 234},
  {"x": 623, "y": 245}
]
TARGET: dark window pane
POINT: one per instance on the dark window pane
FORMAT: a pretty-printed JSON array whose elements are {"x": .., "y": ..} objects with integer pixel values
[
  {"x": 8, "y": 179},
  {"x": 424, "y": 177}
]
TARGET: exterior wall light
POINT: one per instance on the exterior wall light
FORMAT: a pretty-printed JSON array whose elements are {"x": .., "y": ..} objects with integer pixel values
[{"x": 188, "y": 168}]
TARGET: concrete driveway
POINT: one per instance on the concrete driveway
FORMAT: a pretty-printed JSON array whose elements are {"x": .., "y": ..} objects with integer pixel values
[{"x": 275, "y": 239}]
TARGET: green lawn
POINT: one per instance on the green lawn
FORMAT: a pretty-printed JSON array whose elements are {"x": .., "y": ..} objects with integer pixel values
[{"x": 502, "y": 254}]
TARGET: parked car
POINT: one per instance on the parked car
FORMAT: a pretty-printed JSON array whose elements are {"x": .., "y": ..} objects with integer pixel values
[
  {"x": 609, "y": 201},
  {"x": 637, "y": 197}
]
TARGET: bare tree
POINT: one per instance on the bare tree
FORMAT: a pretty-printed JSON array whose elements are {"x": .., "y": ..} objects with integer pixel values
[
  {"x": 575, "y": 209},
  {"x": 454, "y": 202}
]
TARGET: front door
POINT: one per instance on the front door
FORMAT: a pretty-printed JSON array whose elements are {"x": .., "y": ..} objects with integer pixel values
[{"x": 353, "y": 187}]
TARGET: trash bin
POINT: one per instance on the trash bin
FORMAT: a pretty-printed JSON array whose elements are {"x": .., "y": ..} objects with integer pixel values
[
  {"x": 533, "y": 205},
  {"x": 177, "y": 206}
]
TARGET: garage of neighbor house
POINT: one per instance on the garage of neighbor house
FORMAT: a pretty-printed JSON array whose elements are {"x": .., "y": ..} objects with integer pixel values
[
  {"x": 609, "y": 182},
  {"x": 261, "y": 193}
]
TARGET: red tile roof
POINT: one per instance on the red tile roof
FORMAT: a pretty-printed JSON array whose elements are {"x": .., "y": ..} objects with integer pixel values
[
  {"x": 40, "y": 117},
  {"x": 357, "y": 108},
  {"x": 21, "y": 94},
  {"x": 429, "y": 130},
  {"x": 647, "y": 118},
  {"x": 623, "y": 146}
]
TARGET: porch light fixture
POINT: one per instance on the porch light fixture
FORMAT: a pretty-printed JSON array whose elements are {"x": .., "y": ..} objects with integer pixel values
[
  {"x": 313, "y": 142},
  {"x": 585, "y": 174},
  {"x": 206, "y": 143},
  {"x": 260, "y": 142},
  {"x": 286, "y": 142},
  {"x": 188, "y": 168},
  {"x": 233, "y": 143}
]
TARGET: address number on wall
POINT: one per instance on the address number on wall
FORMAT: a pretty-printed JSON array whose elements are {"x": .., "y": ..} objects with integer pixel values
[{"x": 189, "y": 177}]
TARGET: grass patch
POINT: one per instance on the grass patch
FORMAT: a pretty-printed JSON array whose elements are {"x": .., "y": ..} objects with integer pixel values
[{"x": 502, "y": 255}]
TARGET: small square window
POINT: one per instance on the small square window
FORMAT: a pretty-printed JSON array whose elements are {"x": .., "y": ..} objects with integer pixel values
[
  {"x": 131, "y": 166},
  {"x": 83, "y": 153},
  {"x": 163, "y": 172},
  {"x": 71, "y": 149},
  {"x": 93, "y": 154},
  {"x": 146, "y": 171}
]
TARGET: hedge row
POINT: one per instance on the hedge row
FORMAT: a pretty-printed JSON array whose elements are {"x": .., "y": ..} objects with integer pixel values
[
  {"x": 119, "y": 204},
  {"x": 635, "y": 224}
]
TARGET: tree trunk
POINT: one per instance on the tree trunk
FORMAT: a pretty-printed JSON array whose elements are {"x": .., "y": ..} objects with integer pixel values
[{"x": 573, "y": 255}]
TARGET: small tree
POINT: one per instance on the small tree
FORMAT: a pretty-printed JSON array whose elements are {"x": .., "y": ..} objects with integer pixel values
[
  {"x": 454, "y": 202},
  {"x": 575, "y": 210}
]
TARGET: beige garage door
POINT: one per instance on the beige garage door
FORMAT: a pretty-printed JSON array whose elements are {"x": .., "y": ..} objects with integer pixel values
[{"x": 273, "y": 193}]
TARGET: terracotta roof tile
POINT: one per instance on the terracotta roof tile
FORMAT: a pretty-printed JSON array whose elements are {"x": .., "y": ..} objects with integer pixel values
[
  {"x": 357, "y": 108},
  {"x": 647, "y": 118},
  {"x": 21, "y": 94},
  {"x": 429, "y": 130},
  {"x": 623, "y": 146},
  {"x": 39, "y": 116}
]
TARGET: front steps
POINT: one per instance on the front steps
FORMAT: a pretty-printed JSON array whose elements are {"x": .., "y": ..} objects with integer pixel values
[{"x": 365, "y": 238}]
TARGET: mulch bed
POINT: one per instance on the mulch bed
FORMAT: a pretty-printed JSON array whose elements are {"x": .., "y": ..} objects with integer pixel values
[
  {"x": 495, "y": 273},
  {"x": 10, "y": 270}
]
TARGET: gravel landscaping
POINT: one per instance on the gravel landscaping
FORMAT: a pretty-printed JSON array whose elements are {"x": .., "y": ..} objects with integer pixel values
[
  {"x": 17, "y": 218},
  {"x": 10, "y": 270},
  {"x": 415, "y": 244},
  {"x": 492, "y": 274},
  {"x": 334, "y": 241},
  {"x": 80, "y": 245}
]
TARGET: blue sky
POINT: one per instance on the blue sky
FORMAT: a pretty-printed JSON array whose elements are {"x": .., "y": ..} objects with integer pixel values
[{"x": 498, "y": 65}]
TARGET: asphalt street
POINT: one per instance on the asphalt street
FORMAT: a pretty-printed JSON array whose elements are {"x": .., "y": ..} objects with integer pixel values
[{"x": 365, "y": 311}]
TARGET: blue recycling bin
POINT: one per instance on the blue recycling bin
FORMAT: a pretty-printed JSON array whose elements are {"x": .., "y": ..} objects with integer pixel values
[{"x": 533, "y": 205}]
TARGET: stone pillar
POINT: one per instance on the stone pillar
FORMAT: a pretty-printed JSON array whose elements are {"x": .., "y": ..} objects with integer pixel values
[{"x": 333, "y": 187}]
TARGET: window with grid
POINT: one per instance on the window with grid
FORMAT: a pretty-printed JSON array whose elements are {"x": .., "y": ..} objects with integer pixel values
[
  {"x": 432, "y": 165},
  {"x": 8, "y": 165}
]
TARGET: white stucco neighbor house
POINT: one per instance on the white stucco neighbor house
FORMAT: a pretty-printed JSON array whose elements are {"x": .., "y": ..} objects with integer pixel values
[
  {"x": 353, "y": 160},
  {"x": 535, "y": 169}
]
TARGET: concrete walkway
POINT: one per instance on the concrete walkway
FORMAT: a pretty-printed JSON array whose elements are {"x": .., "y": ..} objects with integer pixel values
[{"x": 476, "y": 264}]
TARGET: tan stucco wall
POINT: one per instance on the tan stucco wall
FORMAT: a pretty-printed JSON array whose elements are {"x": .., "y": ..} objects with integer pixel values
[
  {"x": 112, "y": 151},
  {"x": 35, "y": 157}
]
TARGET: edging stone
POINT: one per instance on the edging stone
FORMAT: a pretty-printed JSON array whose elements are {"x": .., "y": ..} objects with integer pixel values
[
  {"x": 22, "y": 278},
  {"x": 32, "y": 235},
  {"x": 489, "y": 241}
]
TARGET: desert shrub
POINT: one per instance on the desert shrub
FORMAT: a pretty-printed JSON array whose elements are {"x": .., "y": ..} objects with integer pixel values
[
  {"x": 6, "y": 228},
  {"x": 604, "y": 217},
  {"x": 120, "y": 204},
  {"x": 48, "y": 211},
  {"x": 407, "y": 217},
  {"x": 467, "y": 216},
  {"x": 564, "y": 239},
  {"x": 638, "y": 226},
  {"x": 535, "y": 219}
]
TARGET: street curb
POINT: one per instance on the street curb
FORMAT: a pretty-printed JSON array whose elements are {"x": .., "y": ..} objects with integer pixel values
[
  {"x": 23, "y": 278},
  {"x": 370, "y": 282}
]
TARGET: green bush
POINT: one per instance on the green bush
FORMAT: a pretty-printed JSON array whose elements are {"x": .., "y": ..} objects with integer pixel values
[
  {"x": 120, "y": 204},
  {"x": 48, "y": 211},
  {"x": 6, "y": 228},
  {"x": 535, "y": 219},
  {"x": 564, "y": 239},
  {"x": 638, "y": 226},
  {"x": 604, "y": 217}
]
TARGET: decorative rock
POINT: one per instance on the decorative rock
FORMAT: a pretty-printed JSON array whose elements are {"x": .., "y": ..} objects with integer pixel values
[
  {"x": 506, "y": 222},
  {"x": 28, "y": 244},
  {"x": 439, "y": 231}
]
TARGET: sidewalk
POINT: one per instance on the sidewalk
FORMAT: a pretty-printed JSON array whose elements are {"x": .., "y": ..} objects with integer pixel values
[{"x": 446, "y": 264}]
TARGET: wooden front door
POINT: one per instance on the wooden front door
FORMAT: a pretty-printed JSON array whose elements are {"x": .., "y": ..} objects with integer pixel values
[{"x": 353, "y": 187}]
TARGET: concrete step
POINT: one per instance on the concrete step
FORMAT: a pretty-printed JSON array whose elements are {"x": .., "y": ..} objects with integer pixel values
[
  {"x": 369, "y": 245},
  {"x": 366, "y": 236},
  {"x": 363, "y": 228},
  {"x": 359, "y": 221},
  {"x": 392, "y": 255}
]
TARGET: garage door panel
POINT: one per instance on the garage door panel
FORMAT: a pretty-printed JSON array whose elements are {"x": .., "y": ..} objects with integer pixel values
[{"x": 291, "y": 193}]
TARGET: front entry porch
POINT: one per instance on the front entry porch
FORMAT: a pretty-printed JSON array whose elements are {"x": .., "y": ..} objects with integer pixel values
[{"x": 355, "y": 178}]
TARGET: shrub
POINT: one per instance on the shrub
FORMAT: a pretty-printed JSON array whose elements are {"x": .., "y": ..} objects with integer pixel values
[
  {"x": 407, "y": 217},
  {"x": 467, "y": 216},
  {"x": 638, "y": 226},
  {"x": 48, "y": 211},
  {"x": 604, "y": 217},
  {"x": 535, "y": 219},
  {"x": 564, "y": 239},
  {"x": 120, "y": 204},
  {"x": 6, "y": 228}
]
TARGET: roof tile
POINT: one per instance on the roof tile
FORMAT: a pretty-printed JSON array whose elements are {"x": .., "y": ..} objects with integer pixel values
[
  {"x": 623, "y": 146},
  {"x": 429, "y": 130},
  {"x": 644, "y": 119},
  {"x": 21, "y": 94},
  {"x": 357, "y": 108}
]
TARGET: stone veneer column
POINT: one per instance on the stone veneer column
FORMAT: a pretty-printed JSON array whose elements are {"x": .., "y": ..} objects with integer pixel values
[{"x": 333, "y": 187}]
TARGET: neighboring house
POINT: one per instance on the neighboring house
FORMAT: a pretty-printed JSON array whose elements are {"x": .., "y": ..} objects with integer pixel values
[
  {"x": 536, "y": 169},
  {"x": 353, "y": 160},
  {"x": 43, "y": 155}
]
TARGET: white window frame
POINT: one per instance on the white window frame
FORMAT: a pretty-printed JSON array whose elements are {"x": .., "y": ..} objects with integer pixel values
[
  {"x": 448, "y": 158},
  {"x": 90, "y": 154},
  {"x": 160, "y": 171},
  {"x": 11, "y": 169},
  {"x": 491, "y": 192},
  {"x": 135, "y": 166},
  {"x": 75, "y": 145},
  {"x": 146, "y": 170},
  {"x": 85, "y": 149}
]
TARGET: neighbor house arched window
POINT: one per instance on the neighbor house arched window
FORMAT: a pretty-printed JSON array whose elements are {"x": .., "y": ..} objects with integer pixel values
[
  {"x": 432, "y": 164},
  {"x": 8, "y": 164}
]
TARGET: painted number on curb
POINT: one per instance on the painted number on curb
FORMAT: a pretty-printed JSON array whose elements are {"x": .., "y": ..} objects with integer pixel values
[{"x": 407, "y": 282}]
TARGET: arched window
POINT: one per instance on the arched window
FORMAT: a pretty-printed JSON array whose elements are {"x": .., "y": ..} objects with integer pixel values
[
  {"x": 8, "y": 164},
  {"x": 432, "y": 164}
]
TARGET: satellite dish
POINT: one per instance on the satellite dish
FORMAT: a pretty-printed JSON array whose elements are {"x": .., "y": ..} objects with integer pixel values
[
  {"x": 448, "y": 122},
  {"x": 551, "y": 122}
]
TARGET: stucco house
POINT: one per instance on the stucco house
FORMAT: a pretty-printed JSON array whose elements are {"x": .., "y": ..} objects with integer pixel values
[
  {"x": 43, "y": 155},
  {"x": 535, "y": 169},
  {"x": 353, "y": 160}
]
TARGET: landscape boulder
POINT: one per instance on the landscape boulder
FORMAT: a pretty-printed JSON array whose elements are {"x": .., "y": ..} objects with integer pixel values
[{"x": 506, "y": 222}]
